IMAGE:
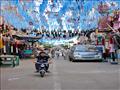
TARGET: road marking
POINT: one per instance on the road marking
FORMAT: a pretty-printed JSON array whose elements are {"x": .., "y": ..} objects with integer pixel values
[
  {"x": 57, "y": 85},
  {"x": 11, "y": 79}
]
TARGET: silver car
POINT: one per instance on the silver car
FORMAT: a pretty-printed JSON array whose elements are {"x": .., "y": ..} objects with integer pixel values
[{"x": 84, "y": 52}]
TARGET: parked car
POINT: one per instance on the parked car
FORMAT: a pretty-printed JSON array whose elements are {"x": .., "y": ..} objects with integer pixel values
[{"x": 84, "y": 52}]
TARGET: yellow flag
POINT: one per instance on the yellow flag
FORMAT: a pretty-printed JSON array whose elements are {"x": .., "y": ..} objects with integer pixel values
[
  {"x": 1, "y": 43},
  {"x": 96, "y": 31}
]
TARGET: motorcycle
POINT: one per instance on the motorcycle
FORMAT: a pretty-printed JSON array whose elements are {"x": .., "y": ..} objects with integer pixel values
[{"x": 42, "y": 68}]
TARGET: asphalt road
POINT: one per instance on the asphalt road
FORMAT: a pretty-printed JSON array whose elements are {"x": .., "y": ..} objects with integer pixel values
[{"x": 64, "y": 75}]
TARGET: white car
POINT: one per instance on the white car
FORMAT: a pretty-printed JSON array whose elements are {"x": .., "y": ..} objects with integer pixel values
[{"x": 84, "y": 52}]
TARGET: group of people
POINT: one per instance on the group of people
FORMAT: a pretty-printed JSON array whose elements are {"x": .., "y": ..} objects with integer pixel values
[{"x": 59, "y": 52}]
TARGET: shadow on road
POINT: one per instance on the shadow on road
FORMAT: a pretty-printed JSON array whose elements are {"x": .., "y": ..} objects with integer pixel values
[{"x": 38, "y": 75}]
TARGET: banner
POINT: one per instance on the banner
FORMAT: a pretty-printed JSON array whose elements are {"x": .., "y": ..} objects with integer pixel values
[{"x": 1, "y": 42}]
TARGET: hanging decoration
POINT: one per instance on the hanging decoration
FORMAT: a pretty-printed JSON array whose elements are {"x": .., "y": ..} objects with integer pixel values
[
  {"x": 74, "y": 13},
  {"x": 103, "y": 8},
  {"x": 30, "y": 23}
]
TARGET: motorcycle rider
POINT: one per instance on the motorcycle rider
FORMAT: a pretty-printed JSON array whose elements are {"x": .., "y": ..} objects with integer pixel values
[{"x": 42, "y": 56}]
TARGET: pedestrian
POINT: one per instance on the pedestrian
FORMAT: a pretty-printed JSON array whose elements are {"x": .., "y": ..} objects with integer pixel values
[
  {"x": 112, "y": 52},
  {"x": 57, "y": 53},
  {"x": 64, "y": 54},
  {"x": 112, "y": 49},
  {"x": 104, "y": 53},
  {"x": 52, "y": 53}
]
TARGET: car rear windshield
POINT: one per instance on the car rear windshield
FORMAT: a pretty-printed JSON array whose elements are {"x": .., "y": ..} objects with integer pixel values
[{"x": 85, "y": 49}]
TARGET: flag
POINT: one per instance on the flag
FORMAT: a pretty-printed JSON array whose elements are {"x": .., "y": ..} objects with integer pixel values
[
  {"x": 96, "y": 31},
  {"x": 1, "y": 42},
  {"x": 30, "y": 23}
]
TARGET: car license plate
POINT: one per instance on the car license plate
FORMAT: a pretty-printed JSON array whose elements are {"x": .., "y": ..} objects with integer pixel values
[{"x": 87, "y": 56}]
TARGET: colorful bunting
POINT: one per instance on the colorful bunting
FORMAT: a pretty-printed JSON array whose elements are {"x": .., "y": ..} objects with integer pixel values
[{"x": 78, "y": 11}]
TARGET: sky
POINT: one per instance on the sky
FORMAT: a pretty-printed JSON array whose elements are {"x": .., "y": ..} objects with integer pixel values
[{"x": 54, "y": 14}]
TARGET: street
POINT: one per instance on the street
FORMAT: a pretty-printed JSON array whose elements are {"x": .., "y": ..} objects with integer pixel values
[{"x": 64, "y": 75}]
